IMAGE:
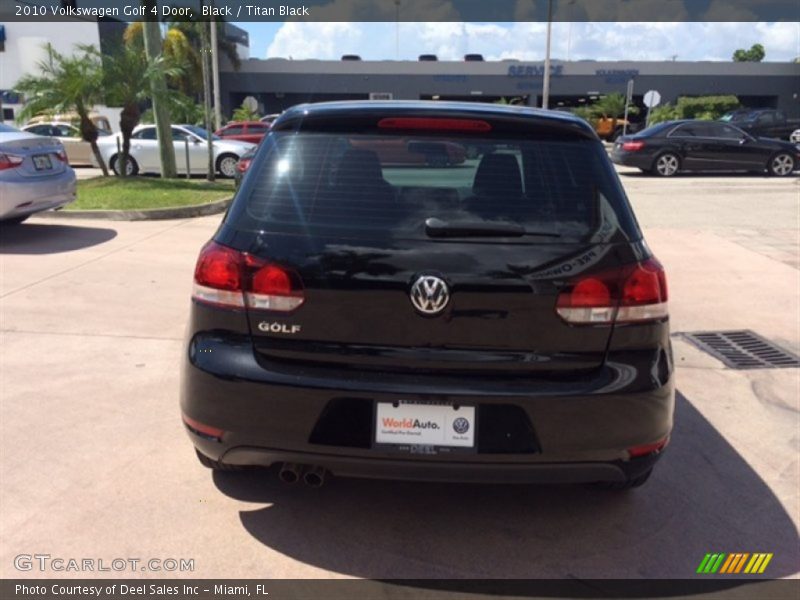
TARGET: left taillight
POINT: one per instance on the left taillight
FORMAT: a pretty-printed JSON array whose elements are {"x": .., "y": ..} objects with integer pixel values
[
  {"x": 228, "y": 278},
  {"x": 633, "y": 146},
  {"x": 632, "y": 294},
  {"x": 10, "y": 161},
  {"x": 62, "y": 156},
  {"x": 243, "y": 165}
]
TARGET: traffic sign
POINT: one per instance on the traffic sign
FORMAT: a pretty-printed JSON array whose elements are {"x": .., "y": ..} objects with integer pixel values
[{"x": 652, "y": 98}]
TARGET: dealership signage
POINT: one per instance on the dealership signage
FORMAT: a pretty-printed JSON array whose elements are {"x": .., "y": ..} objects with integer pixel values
[
  {"x": 534, "y": 70},
  {"x": 617, "y": 75}
]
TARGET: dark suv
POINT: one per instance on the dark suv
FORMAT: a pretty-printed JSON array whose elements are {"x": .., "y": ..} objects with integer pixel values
[{"x": 498, "y": 320}]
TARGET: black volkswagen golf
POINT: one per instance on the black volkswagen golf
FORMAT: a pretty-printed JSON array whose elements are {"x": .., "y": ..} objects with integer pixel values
[{"x": 360, "y": 313}]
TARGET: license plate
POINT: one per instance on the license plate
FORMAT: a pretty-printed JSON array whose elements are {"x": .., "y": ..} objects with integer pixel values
[
  {"x": 437, "y": 425},
  {"x": 42, "y": 162}
]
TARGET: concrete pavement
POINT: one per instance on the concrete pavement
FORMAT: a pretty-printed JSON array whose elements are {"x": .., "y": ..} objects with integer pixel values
[{"x": 95, "y": 462}]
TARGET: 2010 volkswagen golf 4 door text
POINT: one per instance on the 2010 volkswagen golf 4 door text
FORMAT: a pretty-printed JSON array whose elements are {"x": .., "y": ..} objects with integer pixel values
[{"x": 496, "y": 320}]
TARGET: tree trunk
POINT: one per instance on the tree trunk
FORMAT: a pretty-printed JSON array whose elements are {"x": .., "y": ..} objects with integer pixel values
[
  {"x": 158, "y": 91},
  {"x": 89, "y": 134},
  {"x": 128, "y": 119},
  {"x": 205, "y": 52}
]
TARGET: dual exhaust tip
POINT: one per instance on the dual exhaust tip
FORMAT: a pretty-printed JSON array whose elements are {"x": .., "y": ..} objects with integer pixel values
[{"x": 312, "y": 476}]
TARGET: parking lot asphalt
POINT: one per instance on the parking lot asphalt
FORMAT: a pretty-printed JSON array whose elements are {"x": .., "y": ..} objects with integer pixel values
[{"x": 95, "y": 463}]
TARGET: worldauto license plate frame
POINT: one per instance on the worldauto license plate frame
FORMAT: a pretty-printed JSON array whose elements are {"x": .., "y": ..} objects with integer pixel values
[{"x": 453, "y": 435}]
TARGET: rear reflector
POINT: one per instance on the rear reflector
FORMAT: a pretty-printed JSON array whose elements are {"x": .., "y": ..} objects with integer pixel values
[
  {"x": 9, "y": 161},
  {"x": 632, "y": 146},
  {"x": 208, "y": 431},
  {"x": 434, "y": 124},
  {"x": 634, "y": 293},
  {"x": 228, "y": 278},
  {"x": 646, "y": 449}
]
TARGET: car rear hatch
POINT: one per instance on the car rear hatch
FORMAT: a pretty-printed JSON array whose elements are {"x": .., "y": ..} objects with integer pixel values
[
  {"x": 34, "y": 156},
  {"x": 332, "y": 243}
]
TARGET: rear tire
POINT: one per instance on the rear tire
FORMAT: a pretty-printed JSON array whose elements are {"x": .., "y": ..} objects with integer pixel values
[
  {"x": 666, "y": 164},
  {"x": 628, "y": 484},
  {"x": 781, "y": 164},
  {"x": 216, "y": 465},
  {"x": 13, "y": 221},
  {"x": 132, "y": 166},
  {"x": 226, "y": 165}
]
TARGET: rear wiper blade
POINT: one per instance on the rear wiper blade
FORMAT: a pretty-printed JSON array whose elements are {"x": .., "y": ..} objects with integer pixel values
[{"x": 443, "y": 229}]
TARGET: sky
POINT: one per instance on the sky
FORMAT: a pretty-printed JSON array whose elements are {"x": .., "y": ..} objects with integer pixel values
[{"x": 524, "y": 41}]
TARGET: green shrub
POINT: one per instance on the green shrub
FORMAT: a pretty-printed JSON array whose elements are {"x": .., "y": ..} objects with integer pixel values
[
  {"x": 665, "y": 112},
  {"x": 708, "y": 107}
]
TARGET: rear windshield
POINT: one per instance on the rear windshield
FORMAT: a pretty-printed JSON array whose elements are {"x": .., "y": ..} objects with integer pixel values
[{"x": 390, "y": 186}]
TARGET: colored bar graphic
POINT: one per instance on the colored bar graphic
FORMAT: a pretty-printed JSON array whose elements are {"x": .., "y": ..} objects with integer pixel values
[
  {"x": 741, "y": 562},
  {"x": 703, "y": 563},
  {"x": 734, "y": 563},
  {"x": 728, "y": 563},
  {"x": 765, "y": 563},
  {"x": 718, "y": 563}
]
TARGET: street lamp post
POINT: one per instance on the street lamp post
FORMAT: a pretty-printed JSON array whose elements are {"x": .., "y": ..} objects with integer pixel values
[
  {"x": 546, "y": 78},
  {"x": 215, "y": 74}
]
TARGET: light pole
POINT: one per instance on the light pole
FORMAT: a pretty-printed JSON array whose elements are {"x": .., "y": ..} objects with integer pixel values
[
  {"x": 397, "y": 29},
  {"x": 546, "y": 80},
  {"x": 215, "y": 74}
]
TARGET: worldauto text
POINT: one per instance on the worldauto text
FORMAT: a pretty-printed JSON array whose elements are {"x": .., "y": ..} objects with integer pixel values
[{"x": 45, "y": 562}]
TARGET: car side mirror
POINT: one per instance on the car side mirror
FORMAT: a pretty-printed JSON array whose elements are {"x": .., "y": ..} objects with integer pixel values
[{"x": 744, "y": 140}]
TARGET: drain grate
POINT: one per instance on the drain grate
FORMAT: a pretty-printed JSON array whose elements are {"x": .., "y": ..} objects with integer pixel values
[{"x": 742, "y": 349}]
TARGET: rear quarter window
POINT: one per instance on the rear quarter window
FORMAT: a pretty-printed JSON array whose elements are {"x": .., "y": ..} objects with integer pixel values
[{"x": 388, "y": 185}]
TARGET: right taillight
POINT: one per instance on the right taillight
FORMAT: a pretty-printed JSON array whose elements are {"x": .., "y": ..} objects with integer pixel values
[
  {"x": 632, "y": 146},
  {"x": 10, "y": 161},
  {"x": 228, "y": 278},
  {"x": 633, "y": 293}
]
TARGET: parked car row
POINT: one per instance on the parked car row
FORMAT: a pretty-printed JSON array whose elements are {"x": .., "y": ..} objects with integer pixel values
[{"x": 704, "y": 146}]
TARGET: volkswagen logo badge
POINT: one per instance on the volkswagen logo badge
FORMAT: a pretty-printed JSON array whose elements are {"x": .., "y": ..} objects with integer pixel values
[
  {"x": 461, "y": 426},
  {"x": 429, "y": 295}
]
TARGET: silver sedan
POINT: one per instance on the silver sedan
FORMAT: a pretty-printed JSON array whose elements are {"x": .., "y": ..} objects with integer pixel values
[
  {"x": 34, "y": 175},
  {"x": 189, "y": 144}
]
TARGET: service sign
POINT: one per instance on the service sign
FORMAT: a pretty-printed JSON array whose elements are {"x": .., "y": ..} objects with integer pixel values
[{"x": 440, "y": 425}]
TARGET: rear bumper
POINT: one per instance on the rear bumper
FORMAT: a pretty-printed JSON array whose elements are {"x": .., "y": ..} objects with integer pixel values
[
  {"x": 580, "y": 429},
  {"x": 27, "y": 195},
  {"x": 445, "y": 471},
  {"x": 631, "y": 159}
]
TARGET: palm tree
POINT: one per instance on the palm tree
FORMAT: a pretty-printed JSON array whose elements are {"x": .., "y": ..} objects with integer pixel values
[
  {"x": 127, "y": 77},
  {"x": 182, "y": 45},
  {"x": 67, "y": 84},
  {"x": 177, "y": 51}
]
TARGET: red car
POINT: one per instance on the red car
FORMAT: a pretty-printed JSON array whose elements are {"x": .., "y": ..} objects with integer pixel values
[{"x": 245, "y": 131}]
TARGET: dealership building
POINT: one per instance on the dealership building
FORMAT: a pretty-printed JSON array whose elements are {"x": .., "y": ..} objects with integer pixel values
[{"x": 278, "y": 83}]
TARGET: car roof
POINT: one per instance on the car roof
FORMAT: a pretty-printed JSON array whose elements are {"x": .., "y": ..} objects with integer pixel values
[{"x": 360, "y": 108}]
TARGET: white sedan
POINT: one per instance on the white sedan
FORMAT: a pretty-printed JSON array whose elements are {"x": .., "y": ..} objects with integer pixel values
[{"x": 144, "y": 156}]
